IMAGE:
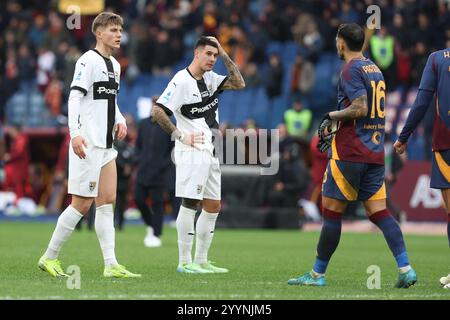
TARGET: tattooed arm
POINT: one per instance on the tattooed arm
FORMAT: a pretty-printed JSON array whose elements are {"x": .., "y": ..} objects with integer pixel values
[
  {"x": 235, "y": 81},
  {"x": 160, "y": 116},
  {"x": 192, "y": 139},
  {"x": 358, "y": 109}
]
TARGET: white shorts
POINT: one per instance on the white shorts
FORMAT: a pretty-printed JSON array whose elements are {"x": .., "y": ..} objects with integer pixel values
[
  {"x": 197, "y": 175},
  {"x": 84, "y": 174}
]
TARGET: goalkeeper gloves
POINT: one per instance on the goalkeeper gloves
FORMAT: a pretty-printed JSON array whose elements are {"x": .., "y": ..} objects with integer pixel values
[{"x": 325, "y": 134}]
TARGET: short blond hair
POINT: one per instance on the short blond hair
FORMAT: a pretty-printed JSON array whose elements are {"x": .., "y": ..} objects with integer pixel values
[{"x": 106, "y": 18}]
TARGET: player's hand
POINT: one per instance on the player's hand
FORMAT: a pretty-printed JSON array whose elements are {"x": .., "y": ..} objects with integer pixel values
[
  {"x": 120, "y": 131},
  {"x": 325, "y": 133},
  {"x": 324, "y": 145},
  {"x": 399, "y": 147},
  {"x": 193, "y": 139},
  {"x": 324, "y": 129},
  {"x": 221, "y": 51},
  {"x": 77, "y": 144}
]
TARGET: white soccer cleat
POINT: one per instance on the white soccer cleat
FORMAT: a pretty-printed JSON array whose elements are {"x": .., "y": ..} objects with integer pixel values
[
  {"x": 447, "y": 286},
  {"x": 152, "y": 241},
  {"x": 445, "y": 281}
]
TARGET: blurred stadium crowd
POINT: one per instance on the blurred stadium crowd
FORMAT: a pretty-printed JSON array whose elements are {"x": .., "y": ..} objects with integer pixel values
[{"x": 285, "y": 49}]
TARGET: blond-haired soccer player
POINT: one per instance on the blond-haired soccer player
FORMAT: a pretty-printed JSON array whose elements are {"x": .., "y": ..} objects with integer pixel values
[
  {"x": 192, "y": 95},
  {"x": 94, "y": 120}
]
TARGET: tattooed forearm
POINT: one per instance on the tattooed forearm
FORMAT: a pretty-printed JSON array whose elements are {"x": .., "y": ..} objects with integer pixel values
[
  {"x": 163, "y": 120},
  {"x": 356, "y": 110},
  {"x": 236, "y": 81}
]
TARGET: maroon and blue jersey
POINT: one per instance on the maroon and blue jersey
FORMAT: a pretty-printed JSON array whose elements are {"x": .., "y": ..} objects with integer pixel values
[
  {"x": 435, "y": 84},
  {"x": 361, "y": 140},
  {"x": 435, "y": 78}
]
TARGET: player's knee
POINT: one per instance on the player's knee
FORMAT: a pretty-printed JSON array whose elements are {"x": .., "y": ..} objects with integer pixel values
[
  {"x": 211, "y": 206},
  {"x": 105, "y": 199},
  {"x": 83, "y": 207},
  {"x": 190, "y": 203}
]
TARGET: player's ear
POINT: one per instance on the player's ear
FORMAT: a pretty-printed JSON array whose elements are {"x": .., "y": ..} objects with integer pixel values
[
  {"x": 344, "y": 45},
  {"x": 99, "y": 31}
]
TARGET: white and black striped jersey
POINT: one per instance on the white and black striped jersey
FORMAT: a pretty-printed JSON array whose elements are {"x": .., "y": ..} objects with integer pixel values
[
  {"x": 97, "y": 77},
  {"x": 194, "y": 103}
]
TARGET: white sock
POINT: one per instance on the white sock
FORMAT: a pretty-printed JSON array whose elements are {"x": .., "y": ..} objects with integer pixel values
[
  {"x": 67, "y": 222},
  {"x": 316, "y": 274},
  {"x": 185, "y": 230},
  {"x": 104, "y": 227},
  {"x": 404, "y": 269},
  {"x": 150, "y": 232},
  {"x": 206, "y": 224}
]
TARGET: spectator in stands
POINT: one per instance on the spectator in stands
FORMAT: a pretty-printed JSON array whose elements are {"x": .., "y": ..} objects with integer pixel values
[
  {"x": 274, "y": 76},
  {"x": 26, "y": 66},
  {"x": 308, "y": 37},
  {"x": 348, "y": 14},
  {"x": 418, "y": 61},
  {"x": 163, "y": 54},
  {"x": 258, "y": 40},
  {"x": 298, "y": 120},
  {"x": 56, "y": 32},
  {"x": 37, "y": 31},
  {"x": 17, "y": 161},
  {"x": 53, "y": 96},
  {"x": 154, "y": 176},
  {"x": 46, "y": 64},
  {"x": 210, "y": 21},
  {"x": 70, "y": 59},
  {"x": 251, "y": 75},
  {"x": 142, "y": 47},
  {"x": 382, "y": 51},
  {"x": 425, "y": 32},
  {"x": 303, "y": 77}
]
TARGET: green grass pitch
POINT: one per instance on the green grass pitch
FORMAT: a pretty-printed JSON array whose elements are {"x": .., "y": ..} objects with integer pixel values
[{"x": 260, "y": 263}]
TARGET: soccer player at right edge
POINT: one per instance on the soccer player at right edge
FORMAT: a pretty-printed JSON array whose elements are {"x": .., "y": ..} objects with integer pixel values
[
  {"x": 435, "y": 83},
  {"x": 356, "y": 167}
]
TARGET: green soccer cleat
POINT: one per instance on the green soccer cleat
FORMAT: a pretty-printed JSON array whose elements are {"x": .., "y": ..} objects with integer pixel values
[
  {"x": 407, "y": 279},
  {"x": 307, "y": 280},
  {"x": 53, "y": 267},
  {"x": 119, "y": 271},
  {"x": 191, "y": 268},
  {"x": 209, "y": 266}
]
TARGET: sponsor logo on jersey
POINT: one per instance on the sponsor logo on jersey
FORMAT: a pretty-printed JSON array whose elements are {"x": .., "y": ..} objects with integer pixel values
[
  {"x": 105, "y": 90},
  {"x": 92, "y": 185},
  {"x": 101, "y": 90},
  {"x": 78, "y": 77},
  {"x": 205, "y": 108}
]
